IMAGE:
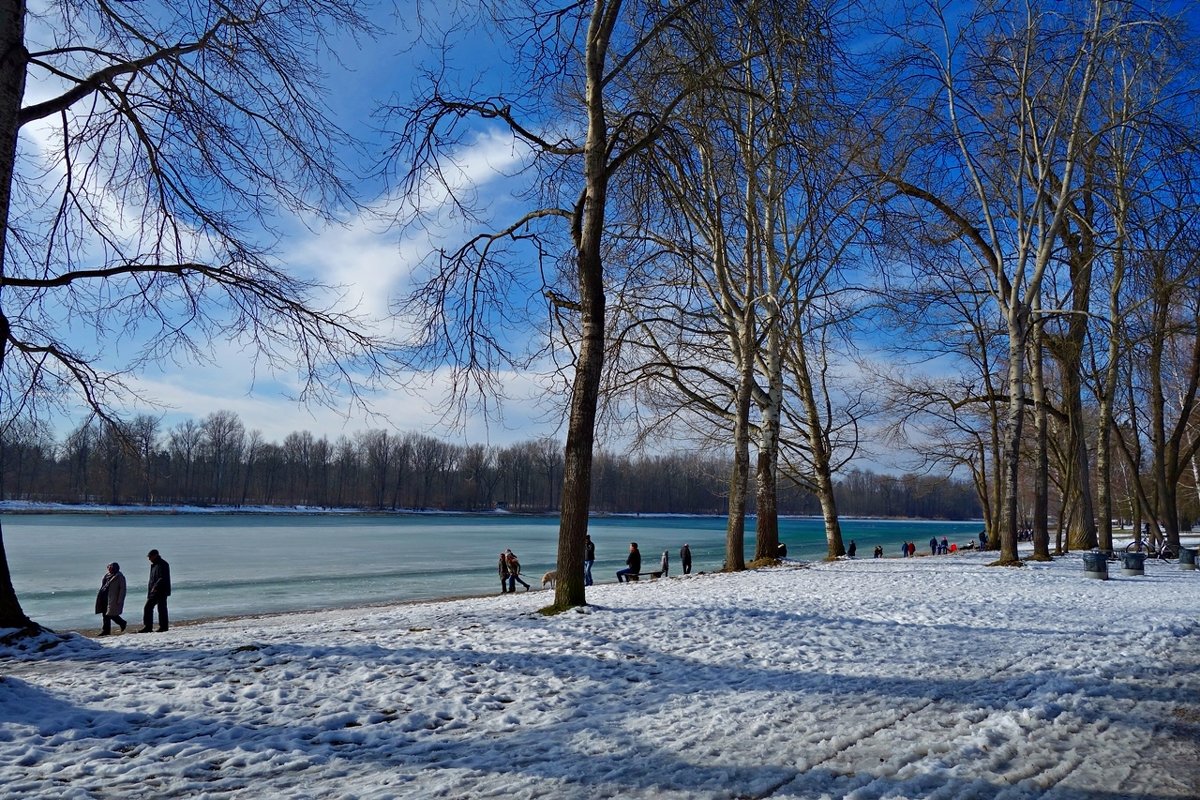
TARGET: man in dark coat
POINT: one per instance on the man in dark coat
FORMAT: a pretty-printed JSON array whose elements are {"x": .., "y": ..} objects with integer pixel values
[
  {"x": 685, "y": 559},
  {"x": 503, "y": 570},
  {"x": 156, "y": 593}
]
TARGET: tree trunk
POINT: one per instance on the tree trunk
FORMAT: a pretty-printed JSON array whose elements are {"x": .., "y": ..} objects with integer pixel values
[
  {"x": 589, "y": 261},
  {"x": 13, "y": 58},
  {"x": 735, "y": 528},
  {"x": 1041, "y": 478},
  {"x": 1012, "y": 436},
  {"x": 766, "y": 520}
]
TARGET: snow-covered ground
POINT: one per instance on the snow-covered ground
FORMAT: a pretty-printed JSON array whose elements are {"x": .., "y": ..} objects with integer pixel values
[{"x": 930, "y": 677}]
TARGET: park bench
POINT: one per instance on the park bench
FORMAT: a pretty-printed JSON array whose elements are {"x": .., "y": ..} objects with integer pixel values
[{"x": 633, "y": 576}]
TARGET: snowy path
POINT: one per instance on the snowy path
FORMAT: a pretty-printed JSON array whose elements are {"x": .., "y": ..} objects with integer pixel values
[{"x": 930, "y": 677}]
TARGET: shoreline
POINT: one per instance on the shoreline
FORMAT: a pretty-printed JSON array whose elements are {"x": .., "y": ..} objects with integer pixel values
[
  {"x": 382, "y": 604},
  {"x": 198, "y": 621}
]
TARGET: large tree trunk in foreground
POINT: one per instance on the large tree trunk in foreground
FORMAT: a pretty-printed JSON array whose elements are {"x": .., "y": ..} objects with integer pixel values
[
  {"x": 13, "y": 57},
  {"x": 585, "y": 391}
]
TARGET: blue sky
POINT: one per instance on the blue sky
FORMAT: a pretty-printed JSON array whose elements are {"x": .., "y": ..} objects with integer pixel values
[{"x": 368, "y": 259}]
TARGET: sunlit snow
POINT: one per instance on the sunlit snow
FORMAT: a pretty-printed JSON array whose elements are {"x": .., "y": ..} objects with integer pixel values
[{"x": 933, "y": 677}]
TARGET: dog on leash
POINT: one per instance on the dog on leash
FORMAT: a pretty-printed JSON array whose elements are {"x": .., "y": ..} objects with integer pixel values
[{"x": 550, "y": 579}]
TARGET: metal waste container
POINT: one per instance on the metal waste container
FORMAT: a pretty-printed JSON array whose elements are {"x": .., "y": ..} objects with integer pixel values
[
  {"x": 1095, "y": 565},
  {"x": 1187, "y": 558},
  {"x": 1133, "y": 563}
]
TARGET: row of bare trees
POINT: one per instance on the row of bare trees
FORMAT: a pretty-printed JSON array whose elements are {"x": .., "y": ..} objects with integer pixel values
[
  {"x": 216, "y": 462},
  {"x": 728, "y": 203},
  {"x": 1052, "y": 260},
  {"x": 748, "y": 196}
]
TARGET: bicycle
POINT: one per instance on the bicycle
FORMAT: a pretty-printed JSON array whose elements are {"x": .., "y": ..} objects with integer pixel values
[{"x": 1164, "y": 552}]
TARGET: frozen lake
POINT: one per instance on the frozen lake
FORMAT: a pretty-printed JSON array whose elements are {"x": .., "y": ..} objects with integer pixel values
[{"x": 251, "y": 563}]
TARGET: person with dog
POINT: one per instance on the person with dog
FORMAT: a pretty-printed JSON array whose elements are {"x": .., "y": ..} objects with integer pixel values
[
  {"x": 503, "y": 569},
  {"x": 589, "y": 558},
  {"x": 633, "y": 564},
  {"x": 110, "y": 601},
  {"x": 514, "y": 572},
  {"x": 157, "y": 592}
]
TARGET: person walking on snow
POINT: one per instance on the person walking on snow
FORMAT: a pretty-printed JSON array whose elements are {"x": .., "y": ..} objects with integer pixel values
[
  {"x": 503, "y": 570},
  {"x": 514, "y": 572},
  {"x": 111, "y": 600},
  {"x": 157, "y": 592},
  {"x": 685, "y": 559}
]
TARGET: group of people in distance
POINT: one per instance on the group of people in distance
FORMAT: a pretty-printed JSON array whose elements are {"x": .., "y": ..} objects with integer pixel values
[
  {"x": 110, "y": 600},
  {"x": 633, "y": 563},
  {"x": 509, "y": 567}
]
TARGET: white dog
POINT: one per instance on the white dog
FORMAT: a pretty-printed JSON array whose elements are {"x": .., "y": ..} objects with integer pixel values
[{"x": 550, "y": 579}]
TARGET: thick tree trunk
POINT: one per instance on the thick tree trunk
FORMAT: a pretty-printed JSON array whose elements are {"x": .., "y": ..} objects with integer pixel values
[
  {"x": 819, "y": 445},
  {"x": 1012, "y": 438},
  {"x": 13, "y": 59},
  {"x": 1082, "y": 536},
  {"x": 735, "y": 530},
  {"x": 1041, "y": 478},
  {"x": 589, "y": 261},
  {"x": 766, "y": 520}
]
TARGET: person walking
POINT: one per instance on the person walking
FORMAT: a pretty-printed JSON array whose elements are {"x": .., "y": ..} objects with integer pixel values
[
  {"x": 666, "y": 563},
  {"x": 685, "y": 559},
  {"x": 157, "y": 592},
  {"x": 589, "y": 558},
  {"x": 633, "y": 564},
  {"x": 110, "y": 601},
  {"x": 503, "y": 569},
  {"x": 514, "y": 572},
  {"x": 850, "y": 551}
]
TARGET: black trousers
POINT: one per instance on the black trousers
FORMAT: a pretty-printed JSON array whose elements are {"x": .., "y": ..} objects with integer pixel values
[
  {"x": 106, "y": 627},
  {"x": 148, "y": 613}
]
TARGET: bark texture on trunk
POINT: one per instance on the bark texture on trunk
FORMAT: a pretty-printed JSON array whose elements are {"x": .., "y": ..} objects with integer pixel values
[
  {"x": 589, "y": 261},
  {"x": 13, "y": 60}
]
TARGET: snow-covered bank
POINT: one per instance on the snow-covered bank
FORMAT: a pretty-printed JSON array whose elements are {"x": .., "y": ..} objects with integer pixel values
[{"x": 928, "y": 677}]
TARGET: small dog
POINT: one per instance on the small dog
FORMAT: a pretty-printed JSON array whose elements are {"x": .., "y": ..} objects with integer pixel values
[{"x": 550, "y": 579}]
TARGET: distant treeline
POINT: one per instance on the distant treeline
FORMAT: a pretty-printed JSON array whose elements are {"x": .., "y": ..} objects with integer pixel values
[{"x": 216, "y": 461}]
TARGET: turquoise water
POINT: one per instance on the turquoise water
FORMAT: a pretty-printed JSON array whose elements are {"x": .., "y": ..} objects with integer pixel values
[{"x": 230, "y": 564}]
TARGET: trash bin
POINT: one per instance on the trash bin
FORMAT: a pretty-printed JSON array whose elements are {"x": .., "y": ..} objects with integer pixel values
[
  {"x": 1187, "y": 558},
  {"x": 1133, "y": 563},
  {"x": 1095, "y": 565}
]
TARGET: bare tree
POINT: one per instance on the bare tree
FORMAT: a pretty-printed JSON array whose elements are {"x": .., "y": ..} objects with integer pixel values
[
  {"x": 595, "y": 64},
  {"x": 999, "y": 157},
  {"x": 175, "y": 134}
]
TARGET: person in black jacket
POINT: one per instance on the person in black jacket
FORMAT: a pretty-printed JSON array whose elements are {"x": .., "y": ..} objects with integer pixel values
[
  {"x": 503, "y": 570},
  {"x": 156, "y": 593},
  {"x": 633, "y": 564},
  {"x": 589, "y": 558},
  {"x": 685, "y": 559}
]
